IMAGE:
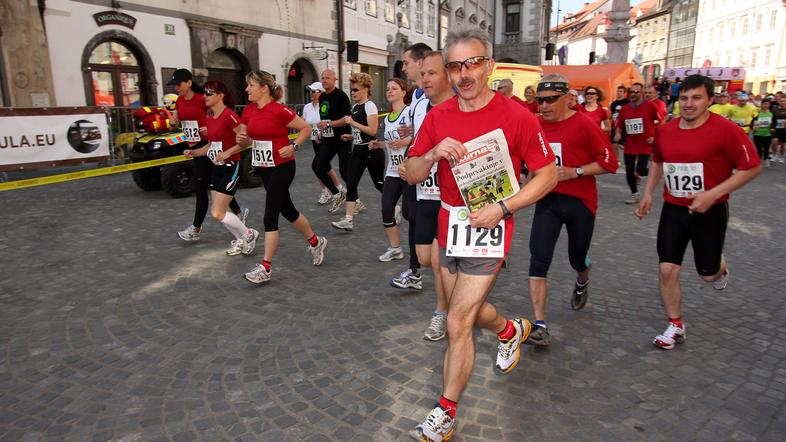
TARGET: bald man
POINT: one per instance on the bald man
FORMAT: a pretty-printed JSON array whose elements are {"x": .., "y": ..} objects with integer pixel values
[
  {"x": 505, "y": 87},
  {"x": 333, "y": 107}
]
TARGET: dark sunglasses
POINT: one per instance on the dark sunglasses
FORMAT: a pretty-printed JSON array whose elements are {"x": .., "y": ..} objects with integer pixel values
[
  {"x": 550, "y": 100},
  {"x": 472, "y": 63},
  {"x": 590, "y": 93},
  {"x": 354, "y": 89},
  {"x": 209, "y": 92},
  {"x": 635, "y": 92}
]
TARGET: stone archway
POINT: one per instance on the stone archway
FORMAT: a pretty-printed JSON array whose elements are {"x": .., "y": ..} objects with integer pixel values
[
  {"x": 300, "y": 74},
  {"x": 229, "y": 67}
]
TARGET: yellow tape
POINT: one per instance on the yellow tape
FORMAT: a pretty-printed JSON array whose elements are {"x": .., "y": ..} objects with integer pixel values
[{"x": 61, "y": 178}]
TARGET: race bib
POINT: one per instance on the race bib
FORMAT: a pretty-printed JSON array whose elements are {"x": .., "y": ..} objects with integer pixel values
[
  {"x": 356, "y": 136},
  {"x": 328, "y": 131},
  {"x": 765, "y": 121},
  {"x": 557, "y": 149},
  {"x": 739, "y": 121},
  {"x": 314, "y": 132},
  {"x": 780, "y": 124},
  {"x": 429, "y": 189},
  {"x": 634, "y": 126},
  {"x": 395, "y": 159},
  {"x": 473, "y": 242},
  {"x": 684, "y": 180},
  {"x": 262, "y": 154},
  {"x": 216, "y": 147},
  {"x": 191, "y": 130}
]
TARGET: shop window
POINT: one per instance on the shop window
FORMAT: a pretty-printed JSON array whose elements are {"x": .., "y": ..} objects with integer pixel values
[{"x": 115, "y": 75}]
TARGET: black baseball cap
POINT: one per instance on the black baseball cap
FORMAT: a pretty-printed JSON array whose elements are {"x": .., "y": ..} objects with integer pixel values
[{"x": 180, "y": 76}]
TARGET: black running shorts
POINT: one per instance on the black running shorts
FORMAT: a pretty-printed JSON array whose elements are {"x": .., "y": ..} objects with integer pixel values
[
  {"x": 705, "y": 231},
  {"x": 225, "y": 178},
  {"x": 426, "y": 221}
]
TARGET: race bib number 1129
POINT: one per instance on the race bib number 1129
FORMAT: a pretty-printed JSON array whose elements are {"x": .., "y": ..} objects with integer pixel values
[
  {"x": 473, "y": 242},
  {"x": 684, "y": 180}
]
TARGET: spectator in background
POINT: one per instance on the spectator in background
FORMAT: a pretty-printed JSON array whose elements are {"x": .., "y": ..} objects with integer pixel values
[
  {"x": 674, "y": 91},
  {"x": 532, "y": 103},
  {"x": 598, "y": 114}
]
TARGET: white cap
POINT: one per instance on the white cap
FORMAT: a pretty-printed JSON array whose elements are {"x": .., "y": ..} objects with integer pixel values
[{"x": 316, "y": 86}]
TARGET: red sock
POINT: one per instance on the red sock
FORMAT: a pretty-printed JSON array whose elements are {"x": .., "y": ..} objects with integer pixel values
[
  {"x": 676, "y": 321},
  {"x": 448, "y": 405},
  {"x": 508, "y": 332},
  {"x": 266, "y": 265},
  {"x": 313, "y": 241}
]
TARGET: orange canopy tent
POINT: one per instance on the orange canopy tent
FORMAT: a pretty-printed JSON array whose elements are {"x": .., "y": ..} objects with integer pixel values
[{"x": 604, "y": 76}]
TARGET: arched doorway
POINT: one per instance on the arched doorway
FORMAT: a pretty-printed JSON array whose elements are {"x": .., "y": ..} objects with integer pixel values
[
  {"x": 229, "y": 67},
  {"x": 299, "y": 76},
  {"x": 115, "y": 75}
]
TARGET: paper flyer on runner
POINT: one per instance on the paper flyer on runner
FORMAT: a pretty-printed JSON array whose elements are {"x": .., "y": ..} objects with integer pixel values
[{"x": 485, "y": 175}]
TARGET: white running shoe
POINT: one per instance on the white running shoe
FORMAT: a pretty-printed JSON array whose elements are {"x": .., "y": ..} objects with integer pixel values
[
  {"x": 509, "y": 352},
  {"x": 258, "y": 274},
  {"x": 634, "y": 199},
  {"x": 437, "y": 427},
  {"x": 723, "y": 281},
  {"x": 672, "y": 336},
  {"x": 359, "y": 207},
  {"x": 324, "y": 197},
  {"x": 437, "y": 329},
  {"x": 250, "y": 242},
  {"x": 191, "y": 233},
  {"x": 391, "y": 254},
  {"x": 244, "y": 215},
  {"x": 337, "y": 201},
  {"x": 344, "y": 223},
  {"x": 236, "y": 247},
  {"x": 397, "y": 215},
  {"x": 407, "y": 280},
  {"x": 318, "y": 251}
]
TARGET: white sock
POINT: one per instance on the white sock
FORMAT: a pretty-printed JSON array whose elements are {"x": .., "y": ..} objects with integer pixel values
[{"x": 234, "y": 225}]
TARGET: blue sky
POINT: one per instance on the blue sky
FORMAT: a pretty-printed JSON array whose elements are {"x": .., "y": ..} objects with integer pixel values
[{"x": 568, "y": 6}]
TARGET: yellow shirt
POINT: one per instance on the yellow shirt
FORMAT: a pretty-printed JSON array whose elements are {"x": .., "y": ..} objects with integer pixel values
[
  {"x": 675, "y": 111},
  {"x": 743, "y": 115},
  {"x": 721, "y": 109}
]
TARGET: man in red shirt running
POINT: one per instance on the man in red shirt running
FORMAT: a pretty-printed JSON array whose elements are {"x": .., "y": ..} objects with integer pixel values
[
  {"x": 651, "y": 95},
  {"x": 582, "y": 150},
  {"x": 697, "y": 154},
  {"x": 469, "y": 276}
]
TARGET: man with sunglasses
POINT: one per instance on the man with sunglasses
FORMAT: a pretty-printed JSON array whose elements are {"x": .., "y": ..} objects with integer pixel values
[
  {"x": 468, "y": 279},
  {"x": 582, "y": 150},
  {"x": 638, "y": 119}
]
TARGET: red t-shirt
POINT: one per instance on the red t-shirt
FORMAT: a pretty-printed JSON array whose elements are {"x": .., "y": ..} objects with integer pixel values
[
  {"x": 220, "y": 128},
  {"x": 519, "y": 101},
  {"x": 522, "y": 133},
  {"x": 270, "y": 123},
  {"x": 193, "y": 109},
  {"x": 718, "y": 144},
  {"x": 662, "y": 109},
  {"x": 638, "y": 123},
  {"x": 599, "y": 115},
  {"x": 581, "y": 142},
  {"x": 533, "y": 107}
]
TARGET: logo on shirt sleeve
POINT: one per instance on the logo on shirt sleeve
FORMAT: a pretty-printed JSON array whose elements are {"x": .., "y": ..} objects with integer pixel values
[{"x": 543, "y": 145}]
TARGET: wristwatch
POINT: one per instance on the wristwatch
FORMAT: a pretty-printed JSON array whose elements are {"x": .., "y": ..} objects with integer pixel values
[
  {"x": 580, "y": 171},
  {"x": 297, "y": 146},
  {"x": 505, "y": 212}
]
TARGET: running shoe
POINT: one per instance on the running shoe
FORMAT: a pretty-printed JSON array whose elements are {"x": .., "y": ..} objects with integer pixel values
[
  {"x": 324, "y": 197},
  {"x": 258, "y": 274},
  {"x": 580, "y": 295},
  {"x": 781, "y": 159},
  {"x": 723, "y": 281},
  {"x": 437, "y": 427},
  {"x": 407, "y": 280},
  {"x": 391, "y": 254},
  {"x": 344, "y": 223},
  {"x": 359, "y": 207},
  {"x": 539, "y": 337},
  {"x": 244, "y": 215},
  {"x": 250, "y": 242},
  {"x": 672, "y": 336},
  {"x": 236, "y": 247},
  {"x": 337, "y": 201},
  {"x": 318, "y": 251},
  {"x": 634, "y": 199},
  {"x": 509, "y": 351},
  {"x": 437, "y": 329},
  {"x": 191, "y": 233},
  {"x": 397, "y": 215}
]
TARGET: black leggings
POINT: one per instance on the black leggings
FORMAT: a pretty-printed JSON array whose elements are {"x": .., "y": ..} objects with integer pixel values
[
  {"x": 321, "y": 163},
  {"x": 551, "y": 213},
  {"x": 363, "y": 158},
  {"x": 409, "y": 208},
  {"x": 635, "y": 164},
  {"x": 391, "y": 192},
  {"x": 705, "y": 231},
  {"x": 762, "y": 146},
  {"x": 277, "y": 200},
  {"x": 203, "y": 170}
]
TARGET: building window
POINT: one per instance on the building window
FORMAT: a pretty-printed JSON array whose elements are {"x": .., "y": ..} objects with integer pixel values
[
  {"x": 419, "y": 16},
  {"x": 733, "y": 29},
  {"x": 773, "y": 18},
  {"x": 444, "y": 22},
  {"x": 350, "y": 4},
  {"x": 432, "y": 18},
  {"x": 758, "y": 23},
  {"x": 403, "y": 13},
  {"x": 754, "y": 57},
  {"x": 512, "y": 17},
  {"x": 390, "y": 11},
  {"x": 745, "y": 25},
  {"x": 114, "y": 75},
  {"x": 371, "y": 7},
  {"x": 767, "y": 54}
]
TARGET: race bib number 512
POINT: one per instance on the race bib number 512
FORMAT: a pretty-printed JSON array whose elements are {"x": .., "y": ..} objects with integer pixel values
[
  {"x": 473, "y": 242},
  {"x": 190, "y": 130},
  {"x": 684, "y": 180}
]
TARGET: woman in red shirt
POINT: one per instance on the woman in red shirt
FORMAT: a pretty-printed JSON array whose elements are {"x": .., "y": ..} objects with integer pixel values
[
  {"x": 532, "y": 103},
  {"x": 592, "y": 108},
  {"x": 266, "y": 124},
  {"x": 222, "y": 123}
]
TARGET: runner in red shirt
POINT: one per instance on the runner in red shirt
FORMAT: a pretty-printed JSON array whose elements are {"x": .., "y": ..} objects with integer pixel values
[
  {"x": 468, "y": 279},
  {"x": 592, "y": 108},
  {"x": 697, "y": 153},
  {"x": 222, "y": 125},
  {"x": 637, "y": 119},
  {"x": 651, "y": 95},
  {"x": 191, "y": 115},
  {"x": 582, "y": 151},
  {"x": 266, "y": 124},
  {"x": 531, "y": 101}
]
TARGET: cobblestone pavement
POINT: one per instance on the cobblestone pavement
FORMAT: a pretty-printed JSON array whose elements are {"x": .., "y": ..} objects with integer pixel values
[{"x": 114, "y": 329}]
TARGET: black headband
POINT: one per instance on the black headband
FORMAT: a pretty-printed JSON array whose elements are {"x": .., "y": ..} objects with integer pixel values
[{"x": 556, "y": 86}]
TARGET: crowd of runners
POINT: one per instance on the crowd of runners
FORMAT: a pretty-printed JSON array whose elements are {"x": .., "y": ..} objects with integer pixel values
[{"x": 430, "y": 138}]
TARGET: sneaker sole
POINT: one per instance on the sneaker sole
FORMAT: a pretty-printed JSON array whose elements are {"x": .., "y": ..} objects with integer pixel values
[
  {"x": 664, "y": 346},
  {"x": 415, "y": 434},
  {"x": 398, "y": 286},
  {"x": 441, "y": 337},
  {"x": 342, "y": 228},
  {"x": 188, "y": 239},
  {"x": 255, "y": 282},
  {"x": 524, "y": 336},
  {"x": 234, "y": 253},
  {"x": 392, "y": 258}
]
